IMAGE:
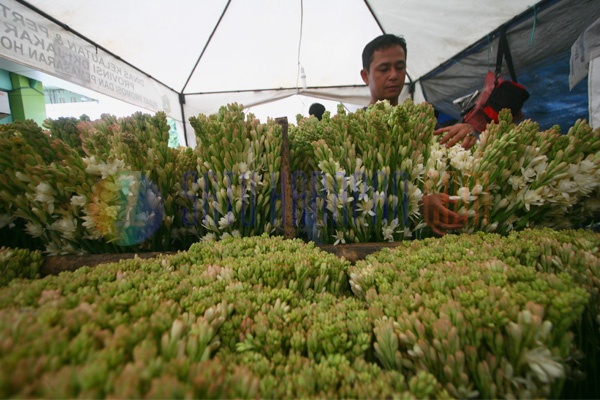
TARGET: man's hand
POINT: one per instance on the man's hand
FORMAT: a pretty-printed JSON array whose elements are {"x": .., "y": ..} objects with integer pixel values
[
  {"x": 438, "y": 217},
  {"x": 456, "y": 133}
]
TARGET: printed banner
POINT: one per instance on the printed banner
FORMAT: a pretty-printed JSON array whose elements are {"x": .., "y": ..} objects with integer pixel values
[{"x": 30, "y": 39}]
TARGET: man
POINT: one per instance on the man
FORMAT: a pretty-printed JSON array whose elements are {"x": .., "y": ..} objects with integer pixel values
[{"x": 384, "y": 71}]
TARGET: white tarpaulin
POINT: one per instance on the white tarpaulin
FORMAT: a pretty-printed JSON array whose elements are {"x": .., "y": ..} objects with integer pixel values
[
  {"x": 187, "y": 57},
  {"x": 584, "y": 50},
  {"x": 585, "y": 55}
]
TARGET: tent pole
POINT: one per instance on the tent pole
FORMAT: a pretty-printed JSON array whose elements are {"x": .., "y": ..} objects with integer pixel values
[
  {"x": 206, "y": 45},
  {"x": 181, "y": 103}
]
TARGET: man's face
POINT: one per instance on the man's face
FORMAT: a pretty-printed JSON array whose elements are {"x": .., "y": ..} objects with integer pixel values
[{"x": 386, "y": 74}]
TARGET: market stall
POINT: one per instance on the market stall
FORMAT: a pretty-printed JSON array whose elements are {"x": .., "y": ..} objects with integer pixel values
[{"x": 291, "y": 258}]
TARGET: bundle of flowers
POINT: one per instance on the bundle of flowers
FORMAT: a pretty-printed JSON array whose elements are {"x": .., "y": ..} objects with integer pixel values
[
  {"x": 364, "y": 179},
  {"x": 19, "y": 263},
  {"x": 517, "y": 176},
  {"x": 41, "y": 176},
  {"x": 114, "y": 185},
  {"x": 478, "y": 312},
  {"x": 235, "y": 186},
  {"x": 370, "y": 169},
  {"x": 266, "y": 317},
  {"x": 132, "y": 202},
  {"x": 82, "y": 186}
]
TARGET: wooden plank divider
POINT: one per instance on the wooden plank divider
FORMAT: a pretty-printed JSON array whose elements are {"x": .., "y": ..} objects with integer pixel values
[
  {"x": 287, "y": 205},
  {"x": 53, "y": 265}
]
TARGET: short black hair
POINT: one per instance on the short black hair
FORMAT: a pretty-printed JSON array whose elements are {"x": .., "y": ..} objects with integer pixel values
[
  {"x": 317, "y": 109},
  {"x": 381, "y": 42}
]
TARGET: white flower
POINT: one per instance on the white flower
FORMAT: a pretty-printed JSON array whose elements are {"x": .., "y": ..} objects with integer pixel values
[
  {"x": 366, "y": 207},
  {"x": 127, "y": 184},
  {"x": 388, "y": 230},
  {"x": 256, "y": 179},
  {"x": 94, "y": 167},
  {"x": 91, "y": 165},
  {"x": 540, "y": 168},
  {"x": 335, "y": 202},
  {"x": 541, "y": 362},
  {"x": 355, "y": 182},
  {"x": 79, "y": 201},
  {"x": 492, "y": 227},
  {"x": 420, "y": 169},
  {"x": 363, "y": 196},
  {"x": 464, "y": 194},
  {"x": 154, "y": 199},
  {"x": 460, "y": 158},
  {"x": 379, "y": 198},
  {"x": 7, "y": 219},
  {"x": 22, "y": 177},
  {"x": 477, "y": 190},
  {"x": 517, "y": 182},
  {"x": 90, "y": 225},
  {"x": 250, "y": 157},
  {"x": 33, "y": 229},
  {"x": 44, "y": 192},
  {"x": 531, "y": 197},
  {"x": 339, "y": 235},
  {"x": 586, "y": 183},
  {"x": 226, "y": 221},
  {"x": 108, "y": 169},
  {"x": 209, "y": 237},
  {"x": 217, "y": 206},
  {"x": 528, "y": 174},
  {"x": 433, "y": 173},
  {"x": 66, "y": 227},
  {"x": 245, "y": 174},
  {"x": 415, "y": 195},
  {"x": 208, "y": 223}
]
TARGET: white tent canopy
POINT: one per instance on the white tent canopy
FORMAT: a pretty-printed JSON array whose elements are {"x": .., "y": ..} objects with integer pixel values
[{"x": 187, "y": 57}]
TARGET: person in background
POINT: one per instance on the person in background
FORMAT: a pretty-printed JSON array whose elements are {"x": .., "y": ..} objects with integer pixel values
[
  {"x": 316, "y": 109},
  {"x": 384, "y": 71}
]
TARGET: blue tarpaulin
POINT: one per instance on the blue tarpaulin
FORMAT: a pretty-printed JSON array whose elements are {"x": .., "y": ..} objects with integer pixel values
[{"x": 540, "y": 42}]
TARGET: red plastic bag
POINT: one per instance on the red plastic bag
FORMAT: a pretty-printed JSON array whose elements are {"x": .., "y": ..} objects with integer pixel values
[
  {"x": 506, "y": 94},
  {"x": 497, "y": 94},
  {"x": 476, "y": 117}
]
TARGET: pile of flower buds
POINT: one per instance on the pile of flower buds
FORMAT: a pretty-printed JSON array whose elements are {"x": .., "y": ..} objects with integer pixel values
[
  {"x": 19, "y": 263},
  {"x": 462, "y": 316},
  {"x": 483, "y": 313}
]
